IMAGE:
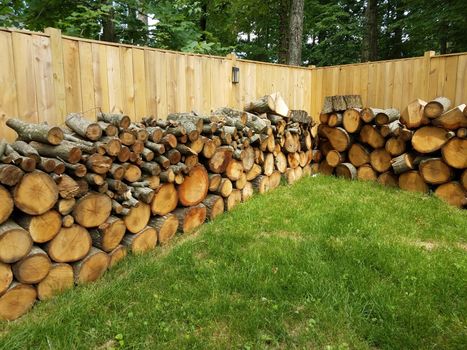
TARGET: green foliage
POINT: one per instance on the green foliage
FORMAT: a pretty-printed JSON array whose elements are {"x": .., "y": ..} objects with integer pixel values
[
  {"x": 323, "y": 264},
  {"x": 333, "y": 29}
]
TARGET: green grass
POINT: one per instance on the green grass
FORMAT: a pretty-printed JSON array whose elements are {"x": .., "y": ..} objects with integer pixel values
[{"x": 323, "y": 264}]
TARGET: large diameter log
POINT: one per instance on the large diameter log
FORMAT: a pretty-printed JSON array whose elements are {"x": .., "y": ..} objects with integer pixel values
[
  {"x": 66, "y": 151},
  {"x": 6, "y": 204},
  {"x": 33, "y": 268},
  {"x": 165, "y": 199},
  {"x": 452, "y": 193},
  {"x": 92, "y": 267},
  {"x": 338, "y": 137},
  {"x": 214, "y": 206},
  {"x": 435, "y": 171},
  {"x": 380, "y": 160},
  {"x": 273, "y": 103},
  {"x": 166, "y": 227},
  {"x": 347, "y": 171},
  {"x": 138, "y": 217},
  {"x": 413, "y": 182},
  {"x": 455, "y": 153},
  {"x": 388, "y": 179},
  {"x": 83, "y": 127},
  {"x": 194, "y": 187},
  {"x": 429, "y": 139},
  {"x": 412, "y": 116},
  {"x": 371, "y": 136},
  {"x": 92, "y": 210},
  {"x": 436, "y": 107},
  {"x": 367, "y": 173},
  {"x": 190, "y": 218},
  {"x": 141, "y": 242},
  {"x": 108, "y": 235},
  {"x": 10, "y": 174},
  {"x": 351, "y": 120},
  {"x": 16, "y": 301},
  {"x": 117, "y": 255},
  {"x": 42, "y": 228},
  {"x": 36, "y": 193},
  {"x": 221, "y": 158},
  {"x": 69, "y": 245},
  {"x": 36, "y": 132},
  {"x": 358, "y": 155},
  {"x": 15, "y": 242},
  {"x": 6, "y": 277},
  {"x": 59, "y": 279}
]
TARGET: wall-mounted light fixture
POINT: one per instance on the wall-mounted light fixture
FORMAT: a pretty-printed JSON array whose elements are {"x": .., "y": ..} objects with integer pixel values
[{"x": 235, "y": 75}]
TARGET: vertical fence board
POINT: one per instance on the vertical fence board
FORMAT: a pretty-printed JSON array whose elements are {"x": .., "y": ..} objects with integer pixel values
[
  {"x": 114, "y": 79},
  {"x": 139, "y": 83},
  {"x": 128, "y": 85},
  {"x": 461, "y": 84},
  {"x": 87, "y": 79},
  {"x": 8, "y": 96}
]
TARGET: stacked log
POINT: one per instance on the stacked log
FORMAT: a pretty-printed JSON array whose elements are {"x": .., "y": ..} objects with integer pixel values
[
  {"x": 74, "y": 200},
  {"x": 422, "y": 149}
]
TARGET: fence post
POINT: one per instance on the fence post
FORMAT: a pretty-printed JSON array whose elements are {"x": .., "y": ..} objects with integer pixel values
[
  {"x": 56, "y": 49},
  {"x": 426, "y": 74}
]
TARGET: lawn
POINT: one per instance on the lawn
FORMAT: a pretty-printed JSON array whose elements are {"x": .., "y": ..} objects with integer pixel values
[{"x": 323, "y": 264}]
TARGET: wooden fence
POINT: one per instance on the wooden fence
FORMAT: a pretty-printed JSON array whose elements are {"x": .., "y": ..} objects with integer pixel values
[{"x": 44, "y": 76}]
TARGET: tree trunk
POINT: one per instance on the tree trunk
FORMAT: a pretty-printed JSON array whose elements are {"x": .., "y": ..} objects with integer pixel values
[
  {"x": 370, "y": 40},
  {"x": 294, "y": 56}
]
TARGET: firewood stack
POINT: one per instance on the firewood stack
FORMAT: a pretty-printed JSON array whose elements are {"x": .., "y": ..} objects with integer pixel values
[
  {"x": 75, "y": 199},
  {"x": 422, "y": 149}
]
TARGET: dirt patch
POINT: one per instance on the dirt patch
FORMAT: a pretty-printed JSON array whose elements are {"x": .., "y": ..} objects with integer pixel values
[
  {"x": 432, "y": 245},
  {"x": 295, "y": 236}
]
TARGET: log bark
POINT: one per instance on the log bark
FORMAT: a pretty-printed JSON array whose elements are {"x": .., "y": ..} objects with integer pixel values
[
  {"x": 108, "y": 235},
  {"x": 119, "y": 120},
  {"x": 166, "y": 227},
  {"x": 190, "y": 218},
  {"x": 261, "y": 184},
  {"x": 402, "y": 163},
  {"x": 69, "y": 245},
  {"x": 33, "y": 268},
  {"x": 59, "y": 279},
  {"x": 141, "y": 242},
  {"x": 347, "y": 171},
  {"x": 66, "y": 151},
  {"x": 387, "y": 116},
  {"x": 273, "y": 103},
  {"x": 36, "y": 132},
  {"x": 92, "y": 267},
  {"x": 16, "y": 301},
  {"x": 83, "y": 127}
]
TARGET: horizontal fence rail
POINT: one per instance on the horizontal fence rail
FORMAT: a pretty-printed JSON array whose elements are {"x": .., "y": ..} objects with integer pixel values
[{"x": 44, "y": 76}]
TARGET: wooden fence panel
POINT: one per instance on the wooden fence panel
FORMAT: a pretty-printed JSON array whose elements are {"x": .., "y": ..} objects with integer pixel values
[{"x": 44, "y": 76}]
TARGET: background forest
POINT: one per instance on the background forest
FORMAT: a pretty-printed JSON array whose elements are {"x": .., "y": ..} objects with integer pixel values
[{"x": 286, "y": 31}]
